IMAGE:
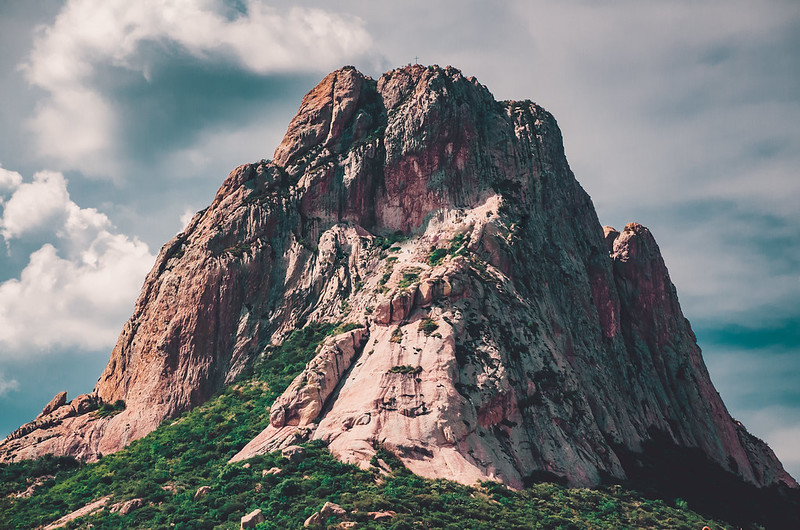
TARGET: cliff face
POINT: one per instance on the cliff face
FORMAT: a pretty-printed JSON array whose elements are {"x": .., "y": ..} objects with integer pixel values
[{"x": 506, "y": 335}]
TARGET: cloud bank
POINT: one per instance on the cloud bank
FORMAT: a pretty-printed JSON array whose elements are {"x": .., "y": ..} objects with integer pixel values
[
  {"x": 92, "y": 48},
  {"x": 77, "y": 289}
]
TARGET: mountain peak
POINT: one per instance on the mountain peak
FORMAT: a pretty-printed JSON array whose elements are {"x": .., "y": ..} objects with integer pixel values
[{"x": 498, "y": 331}]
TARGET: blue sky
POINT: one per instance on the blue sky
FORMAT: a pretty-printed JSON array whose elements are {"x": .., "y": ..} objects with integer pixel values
[{"x": 120, "y": 119}]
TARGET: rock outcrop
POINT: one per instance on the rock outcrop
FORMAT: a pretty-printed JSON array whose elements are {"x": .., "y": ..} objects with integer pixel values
[
  {"x": 252, "y": 519},
  {"x": 58, "y": 400},
  {"x": 317, "y": 519},
  {"x": 505, "y": 335}
]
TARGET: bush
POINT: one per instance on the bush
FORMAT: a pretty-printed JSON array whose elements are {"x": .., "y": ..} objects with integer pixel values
[
  {"x": 107, "y": 409},
  {"x": 428, "y": 325},
  {"x": 437, "y": 256},
  {"x": 405, "y": 369},
  {"x": 409, "y": 277}
]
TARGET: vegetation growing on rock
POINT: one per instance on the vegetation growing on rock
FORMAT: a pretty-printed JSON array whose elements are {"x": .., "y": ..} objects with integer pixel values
[{"x": 428, "y": 325}]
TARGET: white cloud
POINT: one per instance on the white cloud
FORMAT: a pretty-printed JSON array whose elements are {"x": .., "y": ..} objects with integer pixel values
[
  {"x": 76, "y": 123},
  {"x": 36, "y": 206},
  {"x": 7, "y": 385},
  {"x": 77, "y": 295},
  {"x": 9, "y": 181},
  {"x": 186, "y": 216}
]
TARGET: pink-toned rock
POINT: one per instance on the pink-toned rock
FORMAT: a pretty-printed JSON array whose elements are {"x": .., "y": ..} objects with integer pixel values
[
  {"x": 402, "y": 304},
  {"x": 92, "y": 507},
  {"x": 302, "y": 402},
  {"x": 124, "y": 508},
  {"x": 329, "y": 509},
  {"x": 201, "y": 492},
  {"x": 271, "y": 471},
  {"x": 314, "y": 520},
  {"x": 425, "y": 293},
  {"x": 293, "y": 453},
  {"x": 383, "y": 313},
  {"x": 57, "y": 401},
  {"x": 252, "y": 519},
  {"x": 83, "y": 403},
  {"x": 382, "y": 515}
]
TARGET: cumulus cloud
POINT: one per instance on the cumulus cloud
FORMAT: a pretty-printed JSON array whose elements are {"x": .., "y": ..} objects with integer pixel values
[
  {"x": 77, "y": 289},
  {"x": 36, "y": 206},
  {"x": 9, "y": 181},
  {"x": 76, "y": 123}
]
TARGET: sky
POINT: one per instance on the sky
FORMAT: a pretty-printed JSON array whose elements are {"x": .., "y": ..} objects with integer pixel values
[{"x": 118, "y": 120}]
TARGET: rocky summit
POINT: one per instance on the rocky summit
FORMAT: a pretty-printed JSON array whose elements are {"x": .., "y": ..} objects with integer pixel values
[{"x": 496, "y": 329}]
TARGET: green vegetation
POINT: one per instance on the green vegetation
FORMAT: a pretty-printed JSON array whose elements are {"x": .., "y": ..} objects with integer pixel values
[
  {"x": 307, "y": 244},
  {"x": 437, "y": 256},
  {"x": 18, "y": 476},
  {"x": 405, "y": 369},
  {"x": 387, "y": 273},
  {"x": 107, "y": 409},
  {"x": 167, "y": 467},
  {"x": 397, "y": 335},
  {"x": 457, "y": 247},
  {"x": 410, "y": 276},
  {"x": 385, "y": 243},
  {"x": 428, "y": 325},
  {"x": 458, "y": 244},
  {"x": 238, "y": 250}
]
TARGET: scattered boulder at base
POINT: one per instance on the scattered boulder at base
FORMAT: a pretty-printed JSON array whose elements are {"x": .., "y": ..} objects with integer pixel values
[
  {"x": 252, "y": 519},
  {"x": 201, "y": 492},
  {"x": 294, "y": 453}
]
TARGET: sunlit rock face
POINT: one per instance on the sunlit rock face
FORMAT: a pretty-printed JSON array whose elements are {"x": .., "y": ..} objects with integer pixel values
[{"x": 504, "y": 333}]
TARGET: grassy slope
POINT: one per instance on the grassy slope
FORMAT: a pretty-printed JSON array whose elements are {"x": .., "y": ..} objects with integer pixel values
[{"x": 167, "y": 466}]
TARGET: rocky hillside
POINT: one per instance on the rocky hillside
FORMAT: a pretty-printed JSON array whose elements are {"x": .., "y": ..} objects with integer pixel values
[{"x": 504, "y": 334}]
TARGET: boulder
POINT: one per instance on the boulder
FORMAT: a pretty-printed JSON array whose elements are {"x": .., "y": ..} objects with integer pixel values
[
  {"x": 58, "y": 400},
  {"x": 332, "y": 509},
  {"x": 124, "y": 508},
  {"x": 252, "y": 519},
  {"x": 202, "y": 491},
  {"x": 329, "y": 509},
  {"x": 294, "y": 453},
  {"x": 315, "y": 520},
  {"x": 83, "y": 403},
  {"x": 382, "y": 515}
]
